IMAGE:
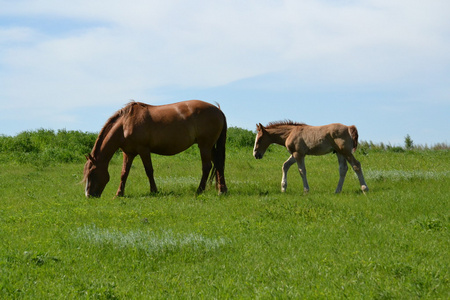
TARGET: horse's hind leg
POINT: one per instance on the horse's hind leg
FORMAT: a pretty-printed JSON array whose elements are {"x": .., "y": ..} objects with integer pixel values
[
  {"x": 218, "y": 155},
  {"x": 287, "y": 164},
  {"x": 127, "y": 162},
  {"x": 206, "y": 155},
  {"x": 342, "y": 171},
  {"x": 356, "y": 165}
]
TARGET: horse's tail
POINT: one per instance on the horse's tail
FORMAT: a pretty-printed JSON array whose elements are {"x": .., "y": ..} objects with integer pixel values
[
  {"x": 218, "y": 158},
  {"x": 354, "y": 134}
]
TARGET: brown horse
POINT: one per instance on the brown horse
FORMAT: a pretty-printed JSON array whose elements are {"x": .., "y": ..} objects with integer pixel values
[
  {"x": 141, "y": 129},
  {"x": 301, "y": 140}
]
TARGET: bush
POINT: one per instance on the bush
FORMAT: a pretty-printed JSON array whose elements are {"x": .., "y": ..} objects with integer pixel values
[
  {"x": 409, "y": 144},
  {"x": 238, "y": 137},
  {"x": 42, "y": 147},
  {"x": 45, "y": 146}
]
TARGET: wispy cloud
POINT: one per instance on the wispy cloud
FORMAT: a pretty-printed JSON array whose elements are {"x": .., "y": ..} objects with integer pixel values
[{"x": 82, "y": 53}]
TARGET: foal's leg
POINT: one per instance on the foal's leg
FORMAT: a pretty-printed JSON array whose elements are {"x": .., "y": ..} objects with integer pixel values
[
  {"x": 287, "y": 164},
  {"x": 147, "y": 161},
  {"x": 206, "y": 155},
  {"x": 342, "y": 171},
  {"x": 302, "y": 169},
  {"x": 127, "y": 162},
  {"x": 356, "y": 165}
]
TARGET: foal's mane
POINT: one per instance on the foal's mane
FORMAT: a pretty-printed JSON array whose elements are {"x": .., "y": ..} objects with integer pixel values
[{"x": 284, "y": 123}]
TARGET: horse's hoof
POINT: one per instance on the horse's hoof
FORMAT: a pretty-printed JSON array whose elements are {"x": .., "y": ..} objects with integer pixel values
[{"x": 223, "y": 189}]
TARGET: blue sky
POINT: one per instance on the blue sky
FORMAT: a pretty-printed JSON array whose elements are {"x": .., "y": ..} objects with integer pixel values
[{"x": 379, "y": 64}]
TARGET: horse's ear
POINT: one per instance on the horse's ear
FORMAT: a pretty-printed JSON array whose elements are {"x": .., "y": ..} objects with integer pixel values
[{"x": 259, "y": 127}]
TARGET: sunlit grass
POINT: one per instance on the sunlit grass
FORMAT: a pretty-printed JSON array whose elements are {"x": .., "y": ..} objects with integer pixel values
[{"x": 254, "y": 242}]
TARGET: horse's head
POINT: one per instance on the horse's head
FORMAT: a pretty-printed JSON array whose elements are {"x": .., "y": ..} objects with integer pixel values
[
  {"x": 262, "y": 142},
  {"x": 95, "y": 176}
]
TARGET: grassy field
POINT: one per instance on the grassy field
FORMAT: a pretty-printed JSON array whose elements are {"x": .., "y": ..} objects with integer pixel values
[{"x": 251, "y": 243}]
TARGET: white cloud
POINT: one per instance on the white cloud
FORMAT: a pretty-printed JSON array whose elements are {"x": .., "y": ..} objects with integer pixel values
[{"x": 128, "y": 48}]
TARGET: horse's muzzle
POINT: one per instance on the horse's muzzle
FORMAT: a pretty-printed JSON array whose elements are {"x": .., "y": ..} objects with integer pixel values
[
  {"x": 93, "y": 196},
  {"x": 257, "y": 155}
]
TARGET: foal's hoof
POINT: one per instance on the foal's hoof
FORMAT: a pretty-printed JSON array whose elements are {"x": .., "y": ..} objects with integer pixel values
[{"x": 364, "y": 188}]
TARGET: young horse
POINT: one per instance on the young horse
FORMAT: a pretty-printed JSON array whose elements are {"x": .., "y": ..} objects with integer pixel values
[
  {"x": 302, "y": 140},
  {"x": 141, "y": 129}
]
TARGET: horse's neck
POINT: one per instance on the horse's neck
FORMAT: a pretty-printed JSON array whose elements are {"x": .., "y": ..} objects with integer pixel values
[
  {"x": 280, "y": 134},
  {"x": 106, "y": 146}
]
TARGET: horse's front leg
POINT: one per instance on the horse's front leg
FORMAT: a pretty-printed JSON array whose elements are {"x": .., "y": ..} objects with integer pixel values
[
  {"x": 127, "y": 162},
  {"x": 206, "y": 155},
  {"x": 148, "y": 166},
  {"x": 287, "y": 164},
  {"x": 302, "y": 169}
]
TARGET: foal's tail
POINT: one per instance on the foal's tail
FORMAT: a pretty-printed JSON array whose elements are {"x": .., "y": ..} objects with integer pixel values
[
  {"x": 218, "y": 158},
  {"x": 354, "y": 134}
]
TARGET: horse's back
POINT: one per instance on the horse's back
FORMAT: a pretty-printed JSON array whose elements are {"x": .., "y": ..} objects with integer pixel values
[
  {"x": 198, "y": 117},
  {"x": 172, "y": 128}
]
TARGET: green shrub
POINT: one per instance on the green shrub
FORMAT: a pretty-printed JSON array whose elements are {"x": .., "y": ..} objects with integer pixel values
[
  {"x": 43, "y": 146},
  {"x": 46, "y": 146},
  {"x": 238, "y": 137},
  {"x": 409, "y": 144}
]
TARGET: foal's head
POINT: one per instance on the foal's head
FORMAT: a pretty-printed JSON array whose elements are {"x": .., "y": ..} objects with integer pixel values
[
  {"x": 262, "y": 142},
  {"x": 95, "y": 176}
]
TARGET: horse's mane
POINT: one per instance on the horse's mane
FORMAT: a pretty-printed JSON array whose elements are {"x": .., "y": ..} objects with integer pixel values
[
  {"x": 284, "y": 123},
  {"x": 125, "y": 111}
]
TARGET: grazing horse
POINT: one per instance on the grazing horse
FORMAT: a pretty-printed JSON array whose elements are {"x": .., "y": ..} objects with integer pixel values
[
  {"x": 141, "y": 129},
  {"x": 301, "y": 140}
]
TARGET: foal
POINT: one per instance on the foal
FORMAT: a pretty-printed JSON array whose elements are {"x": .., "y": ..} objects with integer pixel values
[{"x": 301, "y": 140}]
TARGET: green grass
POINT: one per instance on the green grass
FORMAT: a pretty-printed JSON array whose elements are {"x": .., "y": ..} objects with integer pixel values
[{"x": 254, "y": 242}]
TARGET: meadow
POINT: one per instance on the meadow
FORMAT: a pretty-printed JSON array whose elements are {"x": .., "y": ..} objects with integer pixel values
[{"x": 253, "y": 243}]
